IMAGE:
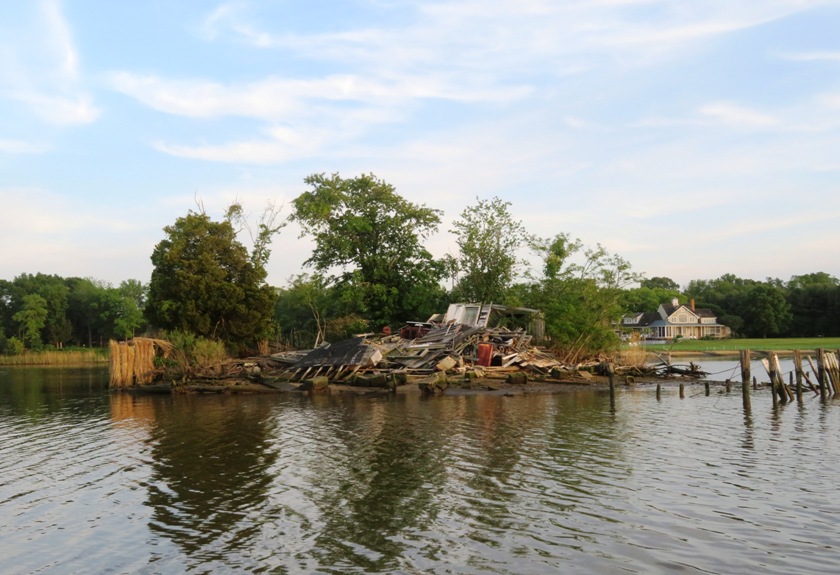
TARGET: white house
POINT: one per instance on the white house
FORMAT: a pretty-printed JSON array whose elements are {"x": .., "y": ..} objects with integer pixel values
[{"x": 675, "y": 319}]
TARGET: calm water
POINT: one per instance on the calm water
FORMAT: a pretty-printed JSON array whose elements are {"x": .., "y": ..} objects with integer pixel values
[{"x": 101, "y": 483}]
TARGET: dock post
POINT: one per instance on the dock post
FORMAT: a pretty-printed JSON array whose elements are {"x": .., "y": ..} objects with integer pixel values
[
  {"x": 797, "y": 368},
  {"x": 821, "y": 373},
  {"x": 745, "y": 379}
]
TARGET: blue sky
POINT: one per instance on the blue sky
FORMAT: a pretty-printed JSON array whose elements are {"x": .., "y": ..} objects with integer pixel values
[{"x": 692, "y": 137}]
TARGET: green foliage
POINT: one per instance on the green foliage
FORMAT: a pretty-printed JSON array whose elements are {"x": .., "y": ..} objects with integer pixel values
[
  {"x": 647, "y": 299},
  {"x": 13, "y": 346},
  {"x": 31, "y": 319},
  {"x": 362, "y": 227},
  {"x": 488, "y": 238},
  {"x": 580, "y": 294},
  {"x": 302, "y": 310},
  {"x": 766, "y": 311},
  {"x": 814, "y": 305},
  {"x": 657, "y": 282},
  {"x": 205, "y": 283},
  {"x": 192, "y": 353}
]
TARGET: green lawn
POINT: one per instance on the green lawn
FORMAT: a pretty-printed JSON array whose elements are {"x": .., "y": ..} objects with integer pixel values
[{"x": 769, "y": 344}]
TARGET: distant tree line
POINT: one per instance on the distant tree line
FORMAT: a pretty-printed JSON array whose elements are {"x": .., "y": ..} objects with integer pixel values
[
  {"x": 370, "y": 270},
  {"x": 805, "y": 306},
  {"x": 40, "y": 310}
]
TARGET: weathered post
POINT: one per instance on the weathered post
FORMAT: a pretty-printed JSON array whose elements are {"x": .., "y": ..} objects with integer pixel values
[
  {"x": 797, "y": 368},
  {"x": 611, "y": 375},
  {"x": 658, "y": 392},
  {"x": 707, "y": 389},
  {"x": 771, "y": 373},
  {"x": 745, "y": 379},
  {"x": 682, "y": 391},
  {"x": 821, "y": 372}
]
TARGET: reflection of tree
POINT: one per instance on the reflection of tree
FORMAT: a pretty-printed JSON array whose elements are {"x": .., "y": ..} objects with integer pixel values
[
  {"x": 210, "y": 473},
  {"x": 388, "y": 486}
]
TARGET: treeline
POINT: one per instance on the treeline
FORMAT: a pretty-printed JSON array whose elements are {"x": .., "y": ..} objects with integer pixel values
[
  {"x": 370, "y": 270},
  {"x": 804, "y": 306},
  {"x": 40, "y": 310}
]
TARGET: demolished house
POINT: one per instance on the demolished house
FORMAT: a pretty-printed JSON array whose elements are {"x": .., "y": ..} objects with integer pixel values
[{"x": 491, "y": 337}]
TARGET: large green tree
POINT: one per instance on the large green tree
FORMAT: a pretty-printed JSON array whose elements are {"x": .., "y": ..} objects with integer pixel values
[
  {"x": 31, "y": 319},
  {"x": 580, "y": 293},
  {"x": 488, "y": 240},
  {"x": 205, "y": 282},
  {"x": 766, "y": 311},
  {"x": 371, "y": 238}
]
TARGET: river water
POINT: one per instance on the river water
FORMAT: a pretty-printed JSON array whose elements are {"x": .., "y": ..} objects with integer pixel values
[{"x": 94, "y": 482}]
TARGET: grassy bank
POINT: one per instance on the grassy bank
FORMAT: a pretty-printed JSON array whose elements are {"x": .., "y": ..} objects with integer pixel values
[
  {"x": 734, "y": 345},
  {"x": 57, "y": 357}
]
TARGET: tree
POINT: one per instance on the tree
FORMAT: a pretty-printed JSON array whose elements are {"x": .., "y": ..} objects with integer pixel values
[
  {"x": 373, "y": 237},
  {"x": 31, "y": 318},
  {"x": 488, "y": 239},
  {"x": 660, "y": 282},
  {"x": 205, "y": 283},
  {"x": 580, "y": 294},
  {"x": 766, "y": 311}
]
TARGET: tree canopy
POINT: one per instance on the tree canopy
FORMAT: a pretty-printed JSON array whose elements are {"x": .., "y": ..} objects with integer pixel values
[
  {"x": 204, "y": 282},
  {"x": 373, "y": 237},
  {"x": 488, "y": 239}
]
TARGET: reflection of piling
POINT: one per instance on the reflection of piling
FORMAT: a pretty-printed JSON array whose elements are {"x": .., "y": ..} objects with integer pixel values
[
  {"x": 821, "y": 373},
  {"x": 745, "y": 379}
]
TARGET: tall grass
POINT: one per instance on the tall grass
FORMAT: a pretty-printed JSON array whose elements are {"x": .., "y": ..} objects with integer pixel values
[{"x": 57, "y": 357}]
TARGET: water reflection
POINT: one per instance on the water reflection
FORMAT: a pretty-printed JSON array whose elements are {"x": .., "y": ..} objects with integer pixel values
[
  {"x": 99, "y": 482},
  {"x": 210, "y": 479}
]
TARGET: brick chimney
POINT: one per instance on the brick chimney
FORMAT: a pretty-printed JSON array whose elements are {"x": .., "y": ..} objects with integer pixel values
[{"x": 691, "y": 303}]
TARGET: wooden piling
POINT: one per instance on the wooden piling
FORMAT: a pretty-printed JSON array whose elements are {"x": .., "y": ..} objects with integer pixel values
[
  {"x": 682, "y": 391},
  {"x": 658, "y": 392},
  {"x": 611, "y": 375},
  {"x": 797, "y": 368},
  {"x": 745, "y": 379},
  {"x": 821, "y": 373},
  {"x": 708, "y": 390}
]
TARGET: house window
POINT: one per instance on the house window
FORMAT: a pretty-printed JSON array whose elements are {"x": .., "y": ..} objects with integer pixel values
[{"x": 683, "y": 318}]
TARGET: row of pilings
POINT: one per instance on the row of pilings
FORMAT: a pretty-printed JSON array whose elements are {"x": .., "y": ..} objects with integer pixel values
[{"x": 826, "y": 370}]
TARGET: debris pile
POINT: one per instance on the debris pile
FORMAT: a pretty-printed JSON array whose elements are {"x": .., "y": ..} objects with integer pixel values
[{"x": 453, "y": 348}]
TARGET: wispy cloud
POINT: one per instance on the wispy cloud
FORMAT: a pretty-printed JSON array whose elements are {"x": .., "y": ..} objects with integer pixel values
[
  {"x": 734, "y": 114},
  {"x": 813, "y": 57},
  {"x": 22, "y": 147},
  {"x": 41, "y": 70}
]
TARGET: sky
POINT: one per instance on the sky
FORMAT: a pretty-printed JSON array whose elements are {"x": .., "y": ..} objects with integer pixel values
[{"x": 694, "y": 138}]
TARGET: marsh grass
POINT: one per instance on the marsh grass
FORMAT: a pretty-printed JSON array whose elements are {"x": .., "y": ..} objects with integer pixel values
[{"x": 66, "y": 357}]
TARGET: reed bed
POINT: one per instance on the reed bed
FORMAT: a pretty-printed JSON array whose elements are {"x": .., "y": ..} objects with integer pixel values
[{"x": 57, "y": 357}]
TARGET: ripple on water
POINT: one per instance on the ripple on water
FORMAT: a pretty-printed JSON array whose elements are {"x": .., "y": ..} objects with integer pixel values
[{"x": 529, "y": 484}]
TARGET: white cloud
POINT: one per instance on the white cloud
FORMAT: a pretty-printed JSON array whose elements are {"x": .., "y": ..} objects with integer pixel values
[
  {"x": 737, "y": 115},
  {"x": 22, "y": 147},
  {"x": 280, "y": 98},
  {"x": 813, "y": 57},
  {"x": 41, "y": 70}
]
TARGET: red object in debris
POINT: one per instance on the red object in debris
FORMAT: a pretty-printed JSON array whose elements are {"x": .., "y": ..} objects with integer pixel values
[{"x": 485, "y": 354}]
